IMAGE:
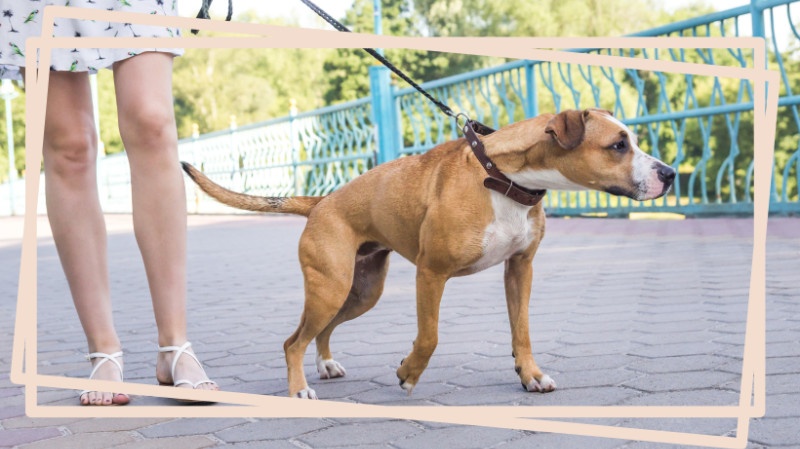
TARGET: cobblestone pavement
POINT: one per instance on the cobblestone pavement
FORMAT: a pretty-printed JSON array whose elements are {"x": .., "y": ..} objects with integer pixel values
[{"x": 623, "y": 313}]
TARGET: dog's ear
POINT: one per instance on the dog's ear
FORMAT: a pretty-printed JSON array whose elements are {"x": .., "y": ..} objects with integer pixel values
[
  {"x": 601, "y": 111},
  {"x": 567, "y": 128}
]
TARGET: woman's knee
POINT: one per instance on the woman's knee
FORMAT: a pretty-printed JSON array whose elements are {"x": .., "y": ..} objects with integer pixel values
[
  {"x": 71, "y": 151},
  {"x": 148, "y": 128}
]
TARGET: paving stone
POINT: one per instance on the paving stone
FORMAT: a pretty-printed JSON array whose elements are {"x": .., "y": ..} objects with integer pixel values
[
  {"x": 112, "y": 424},
  {"x": 11, "y": 411},
  {"x": 679, "y": 381},
  {"x": 785, "y": 349},
  {"x": 650, "y": 445},
  {"x": 97, "y": 440},
  {"x": 14, "y": 437},
  {"x": 395, "y": 394},
  {"x": 679, "y": 349},
  {"x": 722, "y": 427},
  {"x": 783, "y": 365},
  {"x": 187, "y": 442},
  {"x": 277, "y": 444},
  {"x": 359, "y": 434},
  {"x": 545, "y": 440},
  {"x": 671, "y": 364},
  {"x": 24, "y": 422},
  {"x": 774, "y": 432},
  {"x": 189, "y": 426},
  {"x": 460, "y": 437},
  {"x": 782, "y": 383},
  {"x": 706, "y": 397},
  {"x": 271, "y": 429},
  {"x": 578, "y": 364},
  {"x": 783, "y": 405}
]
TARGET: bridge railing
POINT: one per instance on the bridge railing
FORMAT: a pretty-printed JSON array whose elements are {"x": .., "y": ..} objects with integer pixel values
[{"x": 702, "y": 126}]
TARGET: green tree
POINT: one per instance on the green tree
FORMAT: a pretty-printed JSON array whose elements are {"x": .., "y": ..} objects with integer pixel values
[
  {"x": 18, "y": 127},
  {"x": 252, "y": 84},
  {"x": 539, "y": 18},
  {"x": 346, "y": 71}
]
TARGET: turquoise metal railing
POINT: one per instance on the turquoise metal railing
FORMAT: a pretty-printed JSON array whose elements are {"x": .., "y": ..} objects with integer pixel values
[
  {"x": 311, "y": 153},
  {"x": 702, "y": 126}
]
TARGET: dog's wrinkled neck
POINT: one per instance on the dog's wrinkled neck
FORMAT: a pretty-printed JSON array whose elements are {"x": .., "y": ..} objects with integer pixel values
[{"x": 515, "y": 148}]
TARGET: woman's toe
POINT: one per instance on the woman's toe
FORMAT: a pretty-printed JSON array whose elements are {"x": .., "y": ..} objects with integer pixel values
[{"x": 121, "y": 399}]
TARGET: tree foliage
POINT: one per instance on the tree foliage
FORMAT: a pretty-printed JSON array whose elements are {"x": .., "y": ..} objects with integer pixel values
[
  {"x": 18, "y": 127},
  {"x": 346, "y": 70}
]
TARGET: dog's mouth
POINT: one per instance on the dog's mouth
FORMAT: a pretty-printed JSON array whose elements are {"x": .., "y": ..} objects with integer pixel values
[
  {"x": 657, "y": 184},
  {"x": 640, "y": 193}
]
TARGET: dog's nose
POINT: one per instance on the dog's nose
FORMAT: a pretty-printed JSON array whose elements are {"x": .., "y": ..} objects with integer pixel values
[{"x": 666, "y": 174}]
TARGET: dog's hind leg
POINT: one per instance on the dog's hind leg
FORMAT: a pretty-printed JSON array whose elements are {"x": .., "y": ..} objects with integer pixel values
[
  {"x": 518, "y": 278},
  {"x": 328, "y": 272},
  {"x": 368, "y": 279}
]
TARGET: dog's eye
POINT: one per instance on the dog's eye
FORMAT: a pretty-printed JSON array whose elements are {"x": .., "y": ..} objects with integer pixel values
[{"x": 619, "y": 146}]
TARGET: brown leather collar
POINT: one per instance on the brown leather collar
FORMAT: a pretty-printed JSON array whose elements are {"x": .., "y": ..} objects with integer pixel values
[{"x": 497, "y": 181}]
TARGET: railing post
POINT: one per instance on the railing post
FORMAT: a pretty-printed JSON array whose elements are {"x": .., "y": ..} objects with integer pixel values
[
  {"x": 531, "y": 95},
  {"x": 757, "y": 16},
  {"x": 383, "y": 113},
  {"x": 299, "y": 189},
  {"x": 382, "y": 99}
]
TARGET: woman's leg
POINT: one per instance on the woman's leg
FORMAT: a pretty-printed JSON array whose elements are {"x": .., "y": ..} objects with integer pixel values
[
  {"x": 143, "y": 86},
  {"x": 70, "y": 156}
]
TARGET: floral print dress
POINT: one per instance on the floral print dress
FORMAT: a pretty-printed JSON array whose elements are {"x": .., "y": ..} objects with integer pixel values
[{"x": 21, "y": 19}]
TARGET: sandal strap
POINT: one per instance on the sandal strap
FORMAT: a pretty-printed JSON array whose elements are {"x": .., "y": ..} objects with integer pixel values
[
  {"x": 106, "y": 357},
  {"x": 179, "y": 351},
  {"x": 194, "y": 384}
]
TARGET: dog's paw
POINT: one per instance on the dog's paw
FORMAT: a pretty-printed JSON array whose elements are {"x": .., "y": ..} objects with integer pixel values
[
  {"x": 403, "y": 377},
  {"x": 408, "y": 386},
  {"x": 306, "y": 393},
  {"x": 329, "y": 369},
  {"x": 545, "y": 385}
]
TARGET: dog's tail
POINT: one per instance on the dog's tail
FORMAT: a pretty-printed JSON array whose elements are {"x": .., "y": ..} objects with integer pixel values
[{"x": 298, "y": 205}]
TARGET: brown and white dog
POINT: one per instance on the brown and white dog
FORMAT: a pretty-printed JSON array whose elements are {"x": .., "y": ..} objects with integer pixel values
[{"x": 434, "y": 210}]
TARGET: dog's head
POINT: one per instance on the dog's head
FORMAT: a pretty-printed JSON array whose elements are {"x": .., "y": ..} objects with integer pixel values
[{"x": 594, "y": 150}]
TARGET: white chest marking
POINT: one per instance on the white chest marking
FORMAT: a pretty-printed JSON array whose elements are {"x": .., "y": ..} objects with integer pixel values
[{"x": 509, "y": 233}]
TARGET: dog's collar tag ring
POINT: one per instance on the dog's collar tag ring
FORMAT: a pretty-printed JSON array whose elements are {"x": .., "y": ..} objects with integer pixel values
[{"x": 497, "y": 181}]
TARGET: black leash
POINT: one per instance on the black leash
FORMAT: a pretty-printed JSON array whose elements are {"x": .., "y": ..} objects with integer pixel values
[
  {"x": 338, "y": 25},
  {"x": 203, "y": 14}
]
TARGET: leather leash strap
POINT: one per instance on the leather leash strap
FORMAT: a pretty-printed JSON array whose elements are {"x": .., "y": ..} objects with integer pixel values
[{"x": 497, "y": 181}]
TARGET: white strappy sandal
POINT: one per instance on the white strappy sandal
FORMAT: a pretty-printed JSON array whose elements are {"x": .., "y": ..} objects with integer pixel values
[
  {"x": 179, "y": 351},
  {"x": 106, "y": 357}
]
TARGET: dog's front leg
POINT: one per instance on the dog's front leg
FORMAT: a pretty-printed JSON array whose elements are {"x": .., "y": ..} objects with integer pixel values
[
  {"x": 518, "y": 278},
  {"x": 430, "y": 287}
]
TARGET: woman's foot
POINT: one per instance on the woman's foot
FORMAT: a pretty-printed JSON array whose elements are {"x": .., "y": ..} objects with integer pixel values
[
  {"x": 178, "y": 366},
  {"x": 105, "y": 367}
]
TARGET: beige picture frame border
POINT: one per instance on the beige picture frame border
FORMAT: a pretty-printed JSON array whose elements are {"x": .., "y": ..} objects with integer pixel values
[{"x": 752, "y": 392}]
